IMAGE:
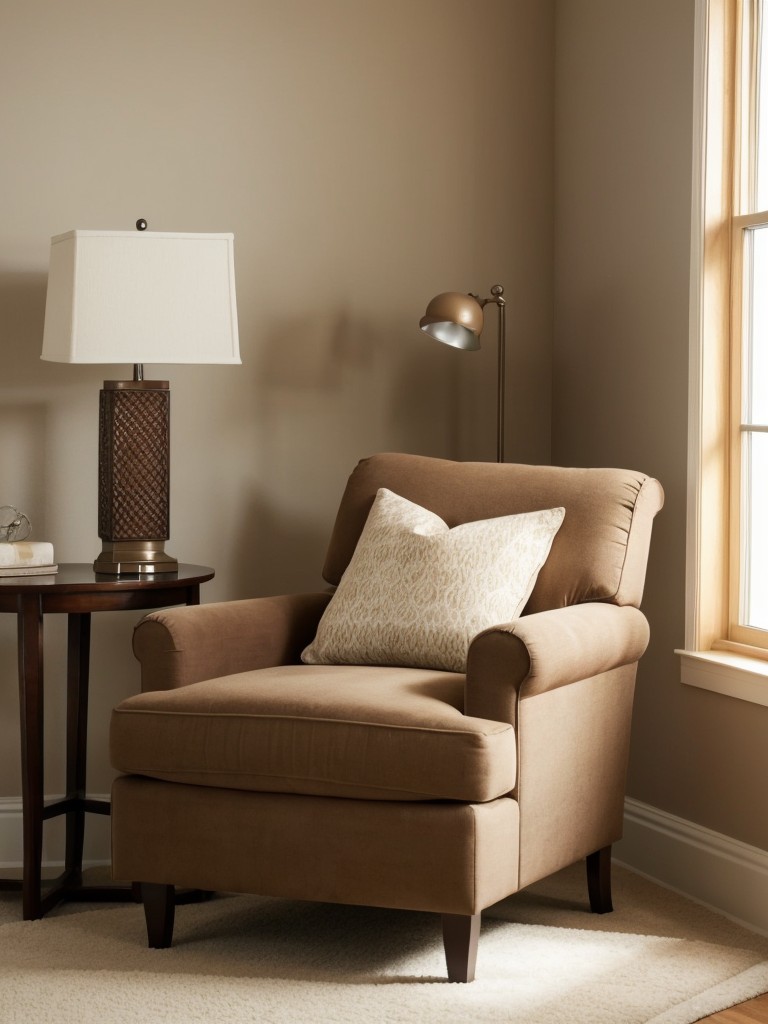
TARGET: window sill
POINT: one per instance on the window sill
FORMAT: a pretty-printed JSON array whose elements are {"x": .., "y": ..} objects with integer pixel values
[{"x": 735, "y": 675}]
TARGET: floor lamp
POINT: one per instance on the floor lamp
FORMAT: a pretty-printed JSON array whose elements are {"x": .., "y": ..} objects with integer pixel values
[
  {"x": 456, "y": 319},
  {"x": 138, "y": 297}
]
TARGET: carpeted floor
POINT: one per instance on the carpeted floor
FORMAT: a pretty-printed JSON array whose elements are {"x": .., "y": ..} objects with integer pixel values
[{"x": 543, "y": 960}]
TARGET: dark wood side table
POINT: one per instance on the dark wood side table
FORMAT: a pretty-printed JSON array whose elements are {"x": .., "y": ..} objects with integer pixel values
[{"x": 76, "y": 590}]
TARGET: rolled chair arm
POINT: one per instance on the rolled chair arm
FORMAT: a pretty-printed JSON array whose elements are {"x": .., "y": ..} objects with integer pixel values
[
  {"x": 546, "y": 650},
  {"x": 184, "y": 645}
]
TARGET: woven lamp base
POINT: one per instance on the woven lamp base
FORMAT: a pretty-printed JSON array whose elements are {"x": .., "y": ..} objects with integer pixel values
[{"x": 134, "y": 477}]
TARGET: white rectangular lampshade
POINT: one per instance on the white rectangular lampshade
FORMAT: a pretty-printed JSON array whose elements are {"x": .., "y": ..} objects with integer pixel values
[{"x": 141, "y": 297}]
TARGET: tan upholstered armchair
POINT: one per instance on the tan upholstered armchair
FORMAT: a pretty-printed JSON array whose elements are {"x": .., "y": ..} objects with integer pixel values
[{"x": 418, "y": 788}]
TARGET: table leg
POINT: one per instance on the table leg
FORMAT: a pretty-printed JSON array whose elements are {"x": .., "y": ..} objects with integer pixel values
[
  {"x": 78, "y": 656},
  {"x": 30, "y": 630}
]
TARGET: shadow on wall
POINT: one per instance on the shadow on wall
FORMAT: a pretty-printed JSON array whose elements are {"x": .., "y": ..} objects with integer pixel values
[
  {"x": 22, "y": 315},
  {"x": 323, "y": 389},
  {"x": 425, "y": 413},
  {"x": 22, "y": 318},
  {"x": 33, "y": 396},
  {"x": 23, "y": 431},
  {"x": 23, "y": 409},
  {"x": 312, "y": 352},
  {"x": 368, "y": 385},
  {"x": 276, "y": 552},
  {"x": 309, "y": 383},
  {"x": 317, "y": 393}
]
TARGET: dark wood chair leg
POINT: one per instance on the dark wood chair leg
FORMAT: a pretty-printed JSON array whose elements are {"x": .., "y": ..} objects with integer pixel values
[
  {"x": 159, "y": 911},
  {"x": 460, "y": 935},
  {"x": 599, "y": 881}
]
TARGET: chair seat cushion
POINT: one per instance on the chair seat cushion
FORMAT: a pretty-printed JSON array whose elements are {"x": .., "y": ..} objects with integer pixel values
[{"x": 365, "y": 732}]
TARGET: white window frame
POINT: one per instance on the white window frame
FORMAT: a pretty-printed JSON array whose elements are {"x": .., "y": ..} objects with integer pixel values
[{"x": 715, "y": 656}]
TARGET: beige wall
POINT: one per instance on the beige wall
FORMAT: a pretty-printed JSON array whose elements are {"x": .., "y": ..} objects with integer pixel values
[
  {"x": 624, "y": 81},
  {"x": 366, "y": 155}
]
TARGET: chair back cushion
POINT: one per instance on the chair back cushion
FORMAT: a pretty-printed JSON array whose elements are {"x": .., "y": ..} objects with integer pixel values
[{"x": 600, "y": 552}]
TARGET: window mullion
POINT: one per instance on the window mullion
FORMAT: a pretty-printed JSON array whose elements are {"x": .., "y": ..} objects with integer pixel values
[{"x": 747, "y": 597}]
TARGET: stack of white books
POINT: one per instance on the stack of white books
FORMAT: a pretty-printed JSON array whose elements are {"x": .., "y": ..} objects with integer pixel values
[{"x": 26, "y": 558}]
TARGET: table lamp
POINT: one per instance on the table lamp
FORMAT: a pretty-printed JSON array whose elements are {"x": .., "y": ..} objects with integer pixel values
[
  {"x": 456, "y": 319},
  {"x": 138, "y": 297}
]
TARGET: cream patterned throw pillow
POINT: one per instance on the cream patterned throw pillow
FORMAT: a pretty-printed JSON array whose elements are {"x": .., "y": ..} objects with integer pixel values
[{"x": 415, "y": 592}]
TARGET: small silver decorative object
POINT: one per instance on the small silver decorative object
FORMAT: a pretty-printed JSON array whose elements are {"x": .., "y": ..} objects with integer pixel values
[{"x": 14, "y": 525}]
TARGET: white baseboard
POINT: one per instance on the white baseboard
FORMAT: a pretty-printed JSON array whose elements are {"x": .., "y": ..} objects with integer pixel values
[
  {"x": 11, "y": 842},
  {"x": 729, "y": 876}
]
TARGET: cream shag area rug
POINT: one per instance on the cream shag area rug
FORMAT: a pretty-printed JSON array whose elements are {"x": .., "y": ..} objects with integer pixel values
[{"x": 544, "y": 959}]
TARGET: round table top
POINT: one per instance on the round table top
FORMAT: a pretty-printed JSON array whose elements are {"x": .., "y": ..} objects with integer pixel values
[{"x": 80, "y": 576}]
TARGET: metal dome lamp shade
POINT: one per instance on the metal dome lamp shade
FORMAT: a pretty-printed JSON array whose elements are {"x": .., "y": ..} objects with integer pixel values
[{"x": 456, "y": 319}]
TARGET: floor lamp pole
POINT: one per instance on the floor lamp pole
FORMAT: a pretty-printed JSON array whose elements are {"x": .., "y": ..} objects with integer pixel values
[{"x": 497, "y": 293}]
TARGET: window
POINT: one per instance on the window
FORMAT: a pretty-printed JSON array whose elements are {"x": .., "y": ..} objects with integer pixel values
[
  {"x": 727, "y": 628},
  {"x": 749, "y": 341}
]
